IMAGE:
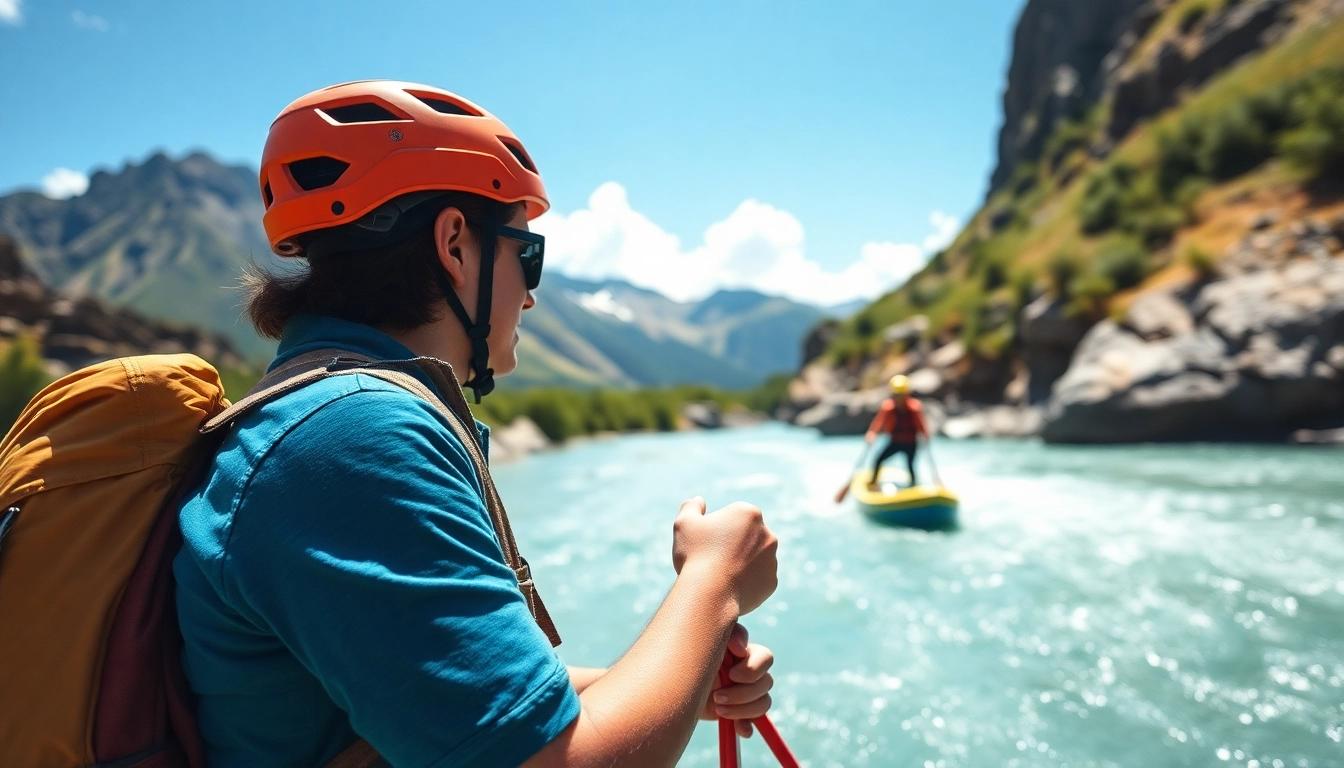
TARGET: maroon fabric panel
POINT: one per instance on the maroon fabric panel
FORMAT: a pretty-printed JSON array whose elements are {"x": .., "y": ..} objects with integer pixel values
[{"x": 144, "y": 702}]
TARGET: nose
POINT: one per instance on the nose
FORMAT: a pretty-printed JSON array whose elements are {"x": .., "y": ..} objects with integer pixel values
[{"x": 530, "y": 301}]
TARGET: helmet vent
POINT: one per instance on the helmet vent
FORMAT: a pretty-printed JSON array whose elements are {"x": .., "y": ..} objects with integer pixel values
[
  {"x": 316, "y": 172},
  {"x": 517, "y": 151},
  {"x": 266, "y": 195},
  {"x": 446, "y": 107},
  {"x": 366, "y": 112}
]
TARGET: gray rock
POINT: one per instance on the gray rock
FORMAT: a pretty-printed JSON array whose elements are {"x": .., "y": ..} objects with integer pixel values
[
  {"x": 1159, "y": 315},
  {"x": 1049, "y": 338},
  {"x": 843, "y": 413},
  {"x": 995, "y": 421},
  {"x": 1265, "y": 220},
  {"x": 706, "y": 415},
  {"x": 1257, "y": 356},
  {"x": 909, "y": 331},
  {"x": 947, "y": 355},
  {"x": 517, "y": 439},
  {"x": 1319, "y": 436}
]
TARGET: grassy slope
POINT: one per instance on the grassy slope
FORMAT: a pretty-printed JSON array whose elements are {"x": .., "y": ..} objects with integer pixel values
[{"x": 952, "y": 291}]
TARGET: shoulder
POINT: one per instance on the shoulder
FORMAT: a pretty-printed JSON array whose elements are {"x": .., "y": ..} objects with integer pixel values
[{"x": 354, "y": 416}]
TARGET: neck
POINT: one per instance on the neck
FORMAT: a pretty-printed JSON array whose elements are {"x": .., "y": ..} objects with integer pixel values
[{"x": 444, "y": 338}]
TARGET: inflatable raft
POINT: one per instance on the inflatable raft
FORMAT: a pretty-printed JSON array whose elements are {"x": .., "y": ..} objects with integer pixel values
[{"x": 924, "y": 506}]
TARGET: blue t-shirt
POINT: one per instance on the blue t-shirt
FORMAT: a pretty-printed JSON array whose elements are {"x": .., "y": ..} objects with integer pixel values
[{"x": 340, "y": 576}]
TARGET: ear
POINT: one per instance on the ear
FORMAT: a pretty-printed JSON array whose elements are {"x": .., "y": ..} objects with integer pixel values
[{"x": 450, "y": 234}]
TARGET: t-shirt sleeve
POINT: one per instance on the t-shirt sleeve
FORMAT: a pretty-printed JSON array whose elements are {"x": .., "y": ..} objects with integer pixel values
[{"x": 363, "y": 544}]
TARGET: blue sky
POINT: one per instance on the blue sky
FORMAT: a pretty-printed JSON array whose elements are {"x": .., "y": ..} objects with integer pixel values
[{"x": 798, "y": 147}]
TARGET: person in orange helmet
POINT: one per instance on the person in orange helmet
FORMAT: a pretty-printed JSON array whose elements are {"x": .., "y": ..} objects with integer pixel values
[
  {"x": 901, "y": 418},
  {"x": 348, "y": 583}
]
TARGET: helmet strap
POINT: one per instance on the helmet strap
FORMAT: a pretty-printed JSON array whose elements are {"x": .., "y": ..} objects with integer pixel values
[{"x": 482, "y": 380}]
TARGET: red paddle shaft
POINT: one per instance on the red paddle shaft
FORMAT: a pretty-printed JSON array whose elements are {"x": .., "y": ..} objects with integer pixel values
[{"x": 729, "y": 756}]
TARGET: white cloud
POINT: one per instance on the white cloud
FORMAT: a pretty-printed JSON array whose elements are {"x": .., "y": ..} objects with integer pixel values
[
  {"x": 89, "y": 21},
  {"x": 945, "y": 228},
  {"x": 757, "y": 246},
  {"x": 63, "y": 182},
  {"x": 11, "y": 12}
]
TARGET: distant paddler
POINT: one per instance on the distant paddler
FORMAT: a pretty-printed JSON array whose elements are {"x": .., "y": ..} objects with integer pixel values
[{"x": 901, "y": 419}]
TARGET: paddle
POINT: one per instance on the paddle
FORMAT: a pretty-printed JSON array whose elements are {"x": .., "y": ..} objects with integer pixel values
[
  {"x": 928, "y": 447},
  {"x": 729, "y": 754},
  {"x": 843, "y": 492}
]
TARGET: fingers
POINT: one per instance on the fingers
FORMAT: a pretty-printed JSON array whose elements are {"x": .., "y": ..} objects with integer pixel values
[
  {"x": 737, "y": 641},
  {"x": 748, "y": 711},
  {"x": 692, "y": 506},
  {"x": 744, "y": 728},
  {"x": 758, "y": 659},
  {"x": 743, "y": 694}
]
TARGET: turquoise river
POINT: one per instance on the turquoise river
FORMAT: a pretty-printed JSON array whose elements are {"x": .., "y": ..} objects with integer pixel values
[{"x": 1100, "y": 606}]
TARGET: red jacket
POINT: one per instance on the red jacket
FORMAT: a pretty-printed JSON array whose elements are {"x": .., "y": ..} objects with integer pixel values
[{"x": 904, "y": 423}]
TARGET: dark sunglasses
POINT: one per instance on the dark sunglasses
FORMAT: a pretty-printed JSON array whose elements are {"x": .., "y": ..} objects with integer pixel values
[{"x": 532, "y": 254}]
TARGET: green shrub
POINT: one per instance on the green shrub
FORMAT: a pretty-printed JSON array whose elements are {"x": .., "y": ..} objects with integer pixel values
[
  {"x": 1123, "y": 262},
  {"x": 1088, "y": 294},
  {"x": 1201, "y": 261},
  {"x": 1191, "y": 17},
  {"x": 995, "y": 274},
  {"x": 1315, "y": 149},
  {"x": 1187, "y": 195},
  {"x": 864, "y": 325},
  {"x": 1234, "y": 143},
  {"x": 994, "y": 343},
  {"x": 1024, "y": 288},
  {"x": 1023, "y": 179},
  {"x": 1155, "y": 226},
  {"x": 938, "y": 262},
  {"x": 1178, "y": 155},
  {"x": 1061, "y": 271},
  {"x": 1069, "y": 136},
  {"x": 22, "y": 375},
  {"x": 555, "y": 413},
  {"x": 767, "y": 397},
  {"x": 1104, "y": 198}
]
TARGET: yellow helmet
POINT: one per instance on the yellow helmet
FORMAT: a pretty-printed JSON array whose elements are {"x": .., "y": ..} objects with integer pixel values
[{"x": 900, "y": 385}]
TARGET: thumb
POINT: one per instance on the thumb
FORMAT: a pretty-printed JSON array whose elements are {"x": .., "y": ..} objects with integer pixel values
[{"x": 692, "y": 507}]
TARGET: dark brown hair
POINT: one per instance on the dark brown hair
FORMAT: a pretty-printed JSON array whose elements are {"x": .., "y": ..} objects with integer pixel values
[{"x": 387, "y": 283}]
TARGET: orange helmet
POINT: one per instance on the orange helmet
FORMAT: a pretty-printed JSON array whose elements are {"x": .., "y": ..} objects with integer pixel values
[{"x": 339, "y": 153}]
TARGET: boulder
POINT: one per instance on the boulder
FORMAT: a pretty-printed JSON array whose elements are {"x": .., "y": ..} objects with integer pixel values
[
  {"x": 994, "y": 421},
  {"x": 1256, "y": 356},
  {"x": 843, "y": 413},
  {"x": 1049, "y": 337},
  {"x": 703, "y": 415},
  {"x": 517, "y": 439}
]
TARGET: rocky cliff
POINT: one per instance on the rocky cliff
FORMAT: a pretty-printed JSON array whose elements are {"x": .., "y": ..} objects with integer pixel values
[
  {"x": 74, "y": 332},
  {"x": 1159, "y": 254}
]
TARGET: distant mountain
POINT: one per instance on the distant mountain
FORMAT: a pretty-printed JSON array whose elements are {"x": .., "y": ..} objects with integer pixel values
[
  {"x": 170, "y": 238},
  {"x": 167, "y": 237},
  {"x": 72, "y": 333},
  {"x": 732, "y": 338}
]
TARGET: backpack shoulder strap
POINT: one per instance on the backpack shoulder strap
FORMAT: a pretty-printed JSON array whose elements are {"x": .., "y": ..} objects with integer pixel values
[{"x": 452, "y": 406}]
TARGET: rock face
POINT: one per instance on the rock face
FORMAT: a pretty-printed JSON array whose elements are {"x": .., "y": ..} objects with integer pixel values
[
  {"x": 1049, "y": 337},
  {"x": 1058, "y": 69},
  {"x": 517, "y": 439},
  {"x": 1153, "y": 85},
  {"x": 1258, "y": 355},
  {"x": 73, "y": 333}
]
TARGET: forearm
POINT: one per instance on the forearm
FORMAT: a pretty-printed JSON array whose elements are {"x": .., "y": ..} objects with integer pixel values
[{"x": 644, "y": 709}]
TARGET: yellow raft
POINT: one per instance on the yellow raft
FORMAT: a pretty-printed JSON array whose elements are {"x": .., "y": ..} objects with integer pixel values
[{"x": 931, "y": 507}]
